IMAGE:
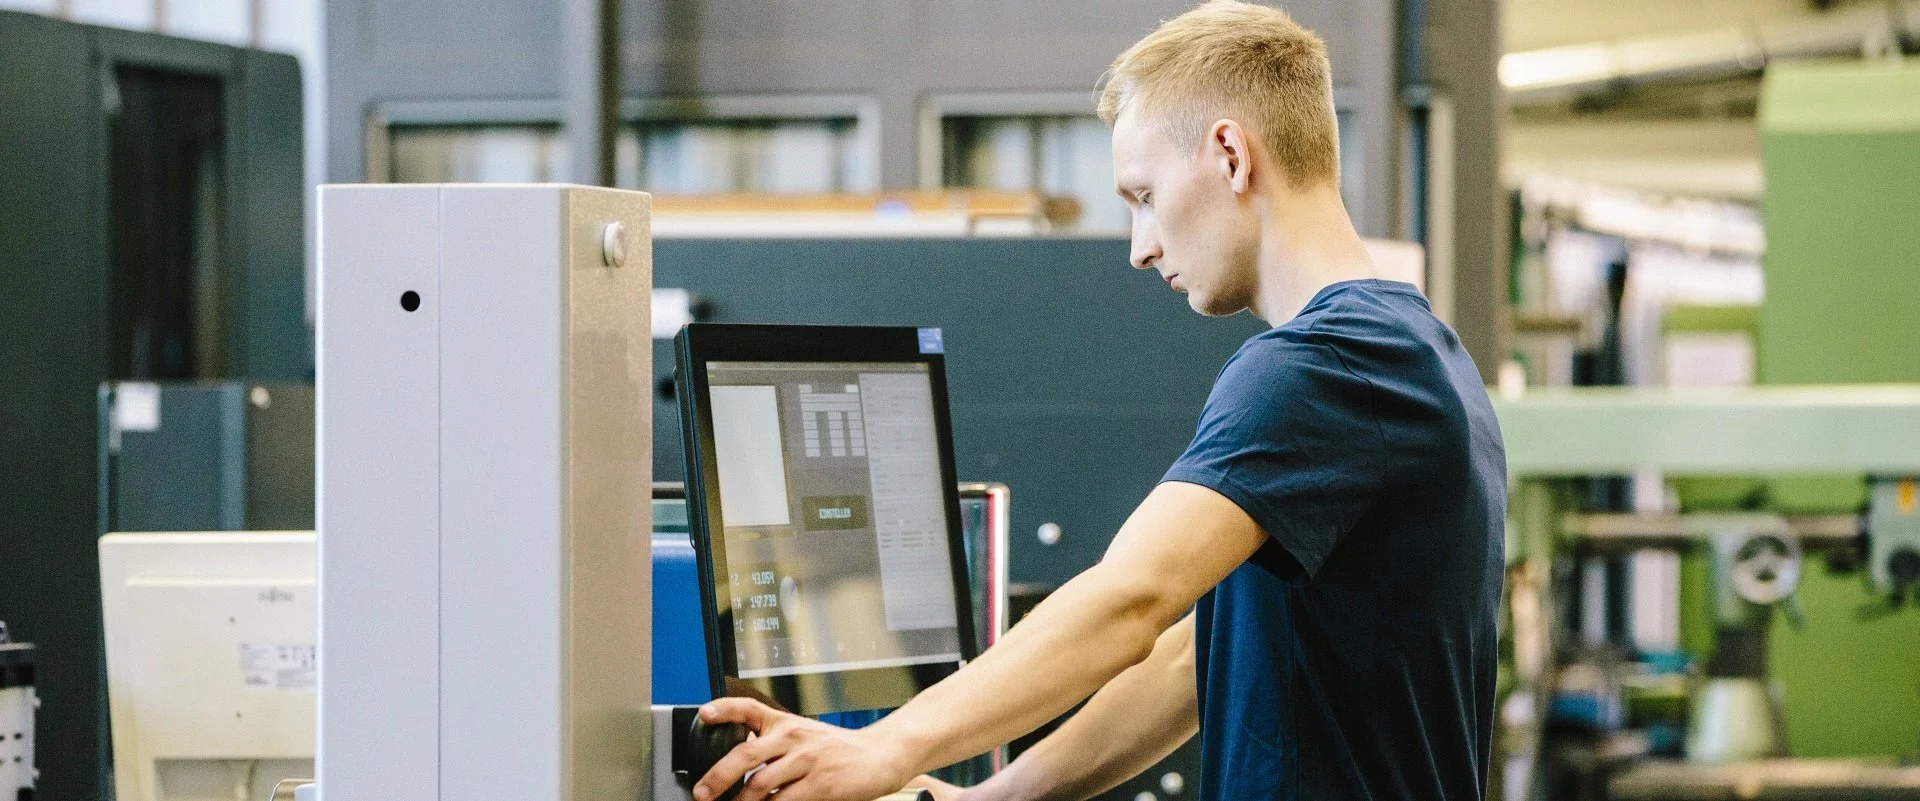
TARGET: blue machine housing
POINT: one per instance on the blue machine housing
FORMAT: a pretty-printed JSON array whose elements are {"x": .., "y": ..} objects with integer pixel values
[{"x": 679, "y": 639}]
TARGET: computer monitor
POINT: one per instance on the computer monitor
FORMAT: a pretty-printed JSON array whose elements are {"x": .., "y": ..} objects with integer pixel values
[
  {"x": 824, "y": 512},
  {"x": 210, "y": 661},
  {"x": 681, "y": 670}
]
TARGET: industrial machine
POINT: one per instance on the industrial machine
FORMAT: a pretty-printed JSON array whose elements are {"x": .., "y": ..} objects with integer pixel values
[
  {"x": 482, "y": 462},
  {"x": 1755, "y": 559},
  {"x": 151, "y": 226},
  {"x": 483, "y": 483},
  {"x": 18, "y": 706},
  {"x": 824, "y": 512}
]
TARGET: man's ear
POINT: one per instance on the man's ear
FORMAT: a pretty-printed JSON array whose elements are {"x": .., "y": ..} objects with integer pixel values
[{"x": 1230, "y": 151}]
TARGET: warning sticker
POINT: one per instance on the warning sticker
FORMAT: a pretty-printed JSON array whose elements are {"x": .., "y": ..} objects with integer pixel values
[{"x": 277, "y": 666}]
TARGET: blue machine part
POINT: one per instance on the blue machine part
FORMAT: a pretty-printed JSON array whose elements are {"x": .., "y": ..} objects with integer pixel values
[{"x": 679, "y": 639}]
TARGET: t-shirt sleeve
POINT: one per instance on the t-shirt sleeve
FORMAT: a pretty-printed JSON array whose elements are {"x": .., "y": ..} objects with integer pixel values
[{"x": 1289, "y": 434}]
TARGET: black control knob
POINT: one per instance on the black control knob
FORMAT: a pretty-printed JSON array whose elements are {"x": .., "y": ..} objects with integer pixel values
[{"x": 701, "y": 745}]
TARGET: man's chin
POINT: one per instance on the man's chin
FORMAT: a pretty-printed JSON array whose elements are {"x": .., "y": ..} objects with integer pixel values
[{"x": 1211, "y": 307}]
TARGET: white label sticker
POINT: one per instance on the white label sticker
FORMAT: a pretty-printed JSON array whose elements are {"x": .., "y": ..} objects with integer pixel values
[
  {"x": 136, "y": 406},
  {"x": 277, "y": 666}
]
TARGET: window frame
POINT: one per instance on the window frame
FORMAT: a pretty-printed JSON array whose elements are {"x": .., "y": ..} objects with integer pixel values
[
  {"x": 936, "y": 108},
  {"x": 386, "y": 116}
]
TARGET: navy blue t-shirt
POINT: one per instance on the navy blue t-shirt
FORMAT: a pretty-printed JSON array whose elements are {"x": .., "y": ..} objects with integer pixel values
[{"x": 1353, "y": 656}]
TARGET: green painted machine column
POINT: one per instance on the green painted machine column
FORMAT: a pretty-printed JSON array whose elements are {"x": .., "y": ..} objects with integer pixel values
[{"x": 1840, "y": 147}]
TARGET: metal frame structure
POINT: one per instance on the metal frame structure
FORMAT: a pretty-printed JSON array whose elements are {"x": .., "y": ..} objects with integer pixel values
[
  {"x": 1867, "y": 430},
  {"x": 1567, "y": 433}
]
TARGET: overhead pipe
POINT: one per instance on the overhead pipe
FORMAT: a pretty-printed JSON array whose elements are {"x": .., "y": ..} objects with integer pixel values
[{"x": 1549, "y": 75}]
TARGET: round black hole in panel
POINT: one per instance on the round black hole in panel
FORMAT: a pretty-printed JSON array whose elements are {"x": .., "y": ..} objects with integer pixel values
[{"x": 409, "y": 300}]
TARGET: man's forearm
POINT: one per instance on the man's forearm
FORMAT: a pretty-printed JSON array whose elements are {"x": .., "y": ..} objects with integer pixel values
[
  {"x": 1084, "y": 634},
  {"x": 1133, "y": 722},
  {"x": 1180, "y": 543}
]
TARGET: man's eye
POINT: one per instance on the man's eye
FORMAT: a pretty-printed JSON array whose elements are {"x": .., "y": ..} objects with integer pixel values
[{"x": 1146, "y": 199}]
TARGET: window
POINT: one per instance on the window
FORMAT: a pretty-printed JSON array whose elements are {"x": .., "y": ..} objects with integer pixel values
[
  {"x": 772, "y": 145},
  {"x": 1056, "y": 154},
  {"x": 431, "y": 154},
  {"x": 1053, "y": 143},
  {"x": 771, "y": 155}
]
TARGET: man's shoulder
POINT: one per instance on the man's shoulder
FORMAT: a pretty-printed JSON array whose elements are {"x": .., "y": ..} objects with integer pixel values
[
  {"x": 1286, "y": 369},
  {"x": 1321, "y": 336}
]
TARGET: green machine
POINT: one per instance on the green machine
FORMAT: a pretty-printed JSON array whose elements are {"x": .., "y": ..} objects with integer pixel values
[
  {"x": 1747, "y": 564},
  {"x": 1841, "y": 153},
  {"x": 1795, "y": 497}
]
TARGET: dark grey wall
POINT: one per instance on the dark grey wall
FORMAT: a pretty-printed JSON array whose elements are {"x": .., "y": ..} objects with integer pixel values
[{"x": 896, "y": 52}]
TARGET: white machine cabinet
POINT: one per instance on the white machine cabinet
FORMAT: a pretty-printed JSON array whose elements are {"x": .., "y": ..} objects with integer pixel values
[{"x": 484, "y": 470}]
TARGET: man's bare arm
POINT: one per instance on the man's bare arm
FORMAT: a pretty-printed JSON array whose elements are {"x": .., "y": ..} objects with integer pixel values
[
  {"x": 1133, "y": 722},
  {"x": 1182, "y": 541}
]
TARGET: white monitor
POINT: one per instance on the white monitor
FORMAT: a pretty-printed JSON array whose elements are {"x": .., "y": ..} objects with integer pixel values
[{"x": 210, "y": 662}]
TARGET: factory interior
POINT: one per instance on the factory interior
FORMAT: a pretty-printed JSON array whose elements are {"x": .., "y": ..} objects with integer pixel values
[{"x": 252, "y": 525}]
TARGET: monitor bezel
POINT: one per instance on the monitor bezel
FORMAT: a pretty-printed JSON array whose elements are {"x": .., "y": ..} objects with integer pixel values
[{"x": 699, "y": 344}]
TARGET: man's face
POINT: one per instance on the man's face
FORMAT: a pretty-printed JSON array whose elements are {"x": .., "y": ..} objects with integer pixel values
[{"x": 1188, "y": 224}]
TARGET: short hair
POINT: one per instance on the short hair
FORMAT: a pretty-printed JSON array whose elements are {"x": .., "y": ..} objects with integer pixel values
[{"x": 1232, "y": 59}]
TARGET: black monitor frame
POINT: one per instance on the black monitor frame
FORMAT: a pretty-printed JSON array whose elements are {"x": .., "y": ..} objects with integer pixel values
[{"x": 700, "y": 343}]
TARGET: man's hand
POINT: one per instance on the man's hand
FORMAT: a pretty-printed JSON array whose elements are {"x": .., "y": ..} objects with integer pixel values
[{"x": 804, "y": 759}]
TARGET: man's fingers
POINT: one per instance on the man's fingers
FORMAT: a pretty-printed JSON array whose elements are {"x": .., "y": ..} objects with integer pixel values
[
  {"x": 805, "y": 788},
  {"x": 744, "y": 711},
  {"x": 758, "y": 718},
  {"x": 744, "y": 757},
  {"x": 772, "y": 776}
]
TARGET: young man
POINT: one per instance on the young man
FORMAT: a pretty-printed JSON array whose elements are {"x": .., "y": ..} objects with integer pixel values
[{"x": 1313, "y": 586}]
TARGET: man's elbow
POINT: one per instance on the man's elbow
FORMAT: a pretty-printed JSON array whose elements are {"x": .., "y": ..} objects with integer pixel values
[{"x": 1143, "y": 610}]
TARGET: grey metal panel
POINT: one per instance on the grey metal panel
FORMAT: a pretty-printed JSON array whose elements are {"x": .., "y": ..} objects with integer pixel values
[
  {"x": 268, "y": 335},
  {"x": 280, "y": 457},
  {"x": 51, "y": 283},
  {"x": 1854, "y": 430},
  {"x": 188, "y": 473},
  {"x": 439, "y": 49},
  {"x": 226, "y": 456},
  {"x": 1073, "y": 378},
  {"x": 263, "y": 261}
]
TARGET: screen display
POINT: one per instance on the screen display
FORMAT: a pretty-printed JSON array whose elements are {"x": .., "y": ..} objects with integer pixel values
[{"x": 833, "y": 518}]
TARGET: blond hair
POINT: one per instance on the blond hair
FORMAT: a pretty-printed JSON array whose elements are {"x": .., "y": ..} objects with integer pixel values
[{"x": 1232, "y": 59}]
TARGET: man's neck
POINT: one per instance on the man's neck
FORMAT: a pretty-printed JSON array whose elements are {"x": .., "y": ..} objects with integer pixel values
[{"x": 1307, "y": 245}]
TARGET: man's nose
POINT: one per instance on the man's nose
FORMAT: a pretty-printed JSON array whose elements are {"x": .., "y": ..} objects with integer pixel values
[{"x": 1145, "y": 253}]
